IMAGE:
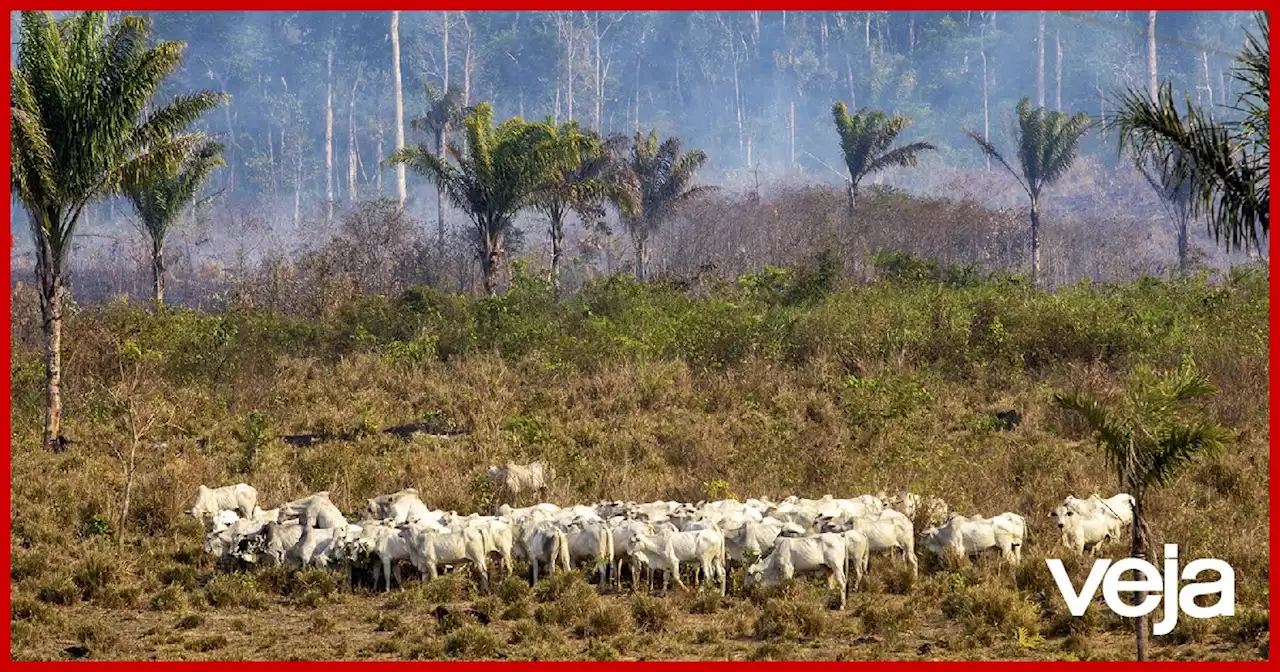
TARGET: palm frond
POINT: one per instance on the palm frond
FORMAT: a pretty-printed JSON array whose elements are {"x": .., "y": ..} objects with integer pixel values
[
  {"x": 990, "y": 150},
  {"x": 1178, "y": 445}
]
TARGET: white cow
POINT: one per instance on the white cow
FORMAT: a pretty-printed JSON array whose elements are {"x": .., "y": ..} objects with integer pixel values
[
  {"x": 666, "y": 552},
  {"x": 400, "y": 507},
  {"x": 521, "y": 478},
  {"x": 591, "y": 541},
  {"x": 383, "y": 543},
  {"x": 965, "y": 536},
  {"x": 314, "y": 511},
  {"x": 623, "y": 530},
  {"x": 542, "y": 544},
  {"x": 429, "y": 548},
  {"x": 1087, "y": 524},
  {"x": 753, "y": 540},
  {"x": 827, "y": 553},
  {"x": 858, "y": 550},
  {"x": 889, "y": 532},
  {"x": 241, "y": 498}
]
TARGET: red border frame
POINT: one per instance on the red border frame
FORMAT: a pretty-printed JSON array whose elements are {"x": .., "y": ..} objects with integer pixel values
[{"x": 534, "y": 5}]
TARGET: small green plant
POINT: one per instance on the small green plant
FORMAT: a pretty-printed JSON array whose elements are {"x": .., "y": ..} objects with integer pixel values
[{"x": 253, "y": 435}]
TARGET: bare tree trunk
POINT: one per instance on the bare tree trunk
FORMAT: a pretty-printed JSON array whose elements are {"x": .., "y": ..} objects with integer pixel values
[
  {"x": 130, "y": 468},
  {"x": 1208, "y": 87},
  {"x": 1035, "y": 241},
  {"x": 328, "y": 144},
  {"x": 1057, "y": 72},
  {"x": 401, "y": 191},
  {"x": 49, "y": 273},
  {"x": 1138, "y": 549},
  {"x": 986, "y": 118},
  {"x": 297, "y": 190},
  {"x": 466, "y": 62},
  {"x": 791, "y": 134},
  {"x": 440, "y": 150},
  {"x": 157, "y": 271},
  {"x": 380, "y": 158},
  {"x": 445, "y": 45},
  {"x": 1153, "y": 82},
  {"x": 848, "y": 70},
  {"x": 353, "y": 194},
  {"x": 638, "y": 56},
  {"x": 1183, "y": 263},
  {"x": 557, "y": 249},
  {"x": 1040, "y": 61}
]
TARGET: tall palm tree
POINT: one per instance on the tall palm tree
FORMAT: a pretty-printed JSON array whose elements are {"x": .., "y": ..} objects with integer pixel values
[
  {"x": 866, "y": 137},
  {"x": 585, "y": 174},
  {"x": 160, "y": 202},
  {"x": 1175, "y": 195},
  {"x": 444, "y": 112},
  {"x": 1148, "y": 435},
  {"x": 1048, "y": 143},
  {"x": 491, "y": 179},
  {"x": 664, "y": 175},
  {"x": 85, "y": 127},
  {"x": 1226, "y": 165}
]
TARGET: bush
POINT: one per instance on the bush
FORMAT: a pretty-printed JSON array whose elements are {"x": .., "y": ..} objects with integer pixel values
[
  {"x": 651, "y": 614},
  {"x": 471, "y": 642}
]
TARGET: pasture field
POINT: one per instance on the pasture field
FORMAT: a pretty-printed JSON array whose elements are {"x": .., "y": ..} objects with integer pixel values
[{"x": 785, "y": 382}]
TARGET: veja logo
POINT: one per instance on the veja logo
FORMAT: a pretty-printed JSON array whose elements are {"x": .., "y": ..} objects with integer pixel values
[{"x": 1154, "y": 583}]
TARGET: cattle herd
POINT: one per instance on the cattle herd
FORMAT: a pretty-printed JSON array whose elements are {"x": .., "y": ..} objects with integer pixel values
[{"x": 773, "y": 541}]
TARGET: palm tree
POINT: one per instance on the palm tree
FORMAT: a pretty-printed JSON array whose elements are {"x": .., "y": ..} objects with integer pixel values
[
  {"x": 1225, "y": 165},
  {"x": 84, "y": 127},
  {"x": 1148, "y": 438},
  {"x": 585, "y": 174},
  {"x": 664, "y": 175},
  {"x": 444, "y": 111},
  {"x": 491, "y": 179},
  {"x": 1048, "y": 143},
  {"x": 865, "y": 140},
  {"x": 160, "y": 203},
  {"x": 1175, "y": 196}
]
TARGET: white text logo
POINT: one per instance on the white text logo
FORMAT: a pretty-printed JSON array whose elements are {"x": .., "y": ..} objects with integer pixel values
[{"x": 1151, "y": 581}]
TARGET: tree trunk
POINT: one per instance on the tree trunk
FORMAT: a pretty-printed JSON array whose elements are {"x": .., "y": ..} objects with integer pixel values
[
  {"x": 1183, "y": 263},
  {"x": 1138, "y": 549},
  {"x": 49, "y": 272},
  {"x": 399, "y": 93},
  {"x": 1035, "y": 241},
  {"x": 129, "y": 470},
  {"x": 378, "y": 173},
  {"x": 489, "y": 260},
  {"x": 853, "y": 197},
  {"x": 445, "y": 45},
  {"x": 466, "y": 63},
  {"x": 328, "y": 144},
  {"x": 1152, "y": 81},
  {"x": 297, "y": 191},
  {"x": 1040, "y": 61},
  {"x": 157, "y": 271},
  {"x": 642, "y": 254},
  {"x": 557, "y": 249},
  {"x": 791, "y": 135},
  {"x": 1057, "y": 72},
  {"x": 353, "y": 193},
  {"x": 599, "y": 76},
  {"x": 440, "y": 141},
  {"x": 986, "y": 118}
]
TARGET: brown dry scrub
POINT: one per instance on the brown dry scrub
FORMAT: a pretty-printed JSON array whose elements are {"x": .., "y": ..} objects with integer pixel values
[{"x": 768, "y": 387}]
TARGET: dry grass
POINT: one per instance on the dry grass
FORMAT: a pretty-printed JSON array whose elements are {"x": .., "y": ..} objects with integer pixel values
[{"x": 651, "y": 394}]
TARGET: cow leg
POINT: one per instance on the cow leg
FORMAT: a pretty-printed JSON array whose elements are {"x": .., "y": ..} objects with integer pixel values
[{"x": 675, "y": 570}]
